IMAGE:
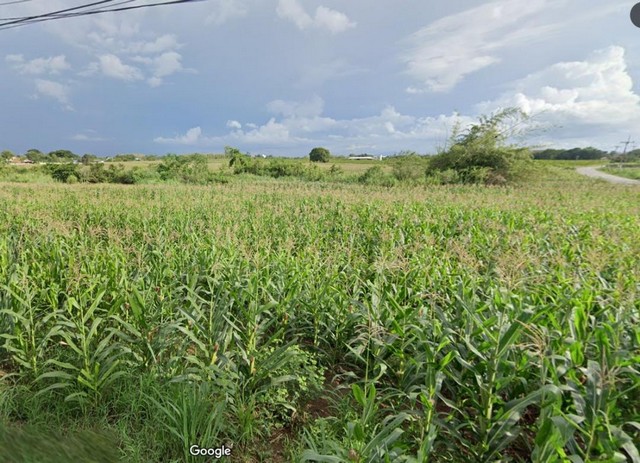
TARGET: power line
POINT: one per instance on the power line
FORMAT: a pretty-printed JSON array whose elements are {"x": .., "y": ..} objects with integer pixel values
[
  {"x": 83, "y": 10},
  {"x": 14, "y": 2}
]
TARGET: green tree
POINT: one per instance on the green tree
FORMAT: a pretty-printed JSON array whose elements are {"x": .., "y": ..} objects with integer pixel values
[
  {"x": 62, "y": 172},
  {"x": 35, "y": 155},
  {"x": 481, "y": 153},
  {"x": 87, "y": 159},
  {"x": 62, "y": 156},
  {"x": 319, "y": 155},
  {"x": 124, "y": 157},
  {"x": 237, "y": 160},
  {"x": 6, "y": 156}
]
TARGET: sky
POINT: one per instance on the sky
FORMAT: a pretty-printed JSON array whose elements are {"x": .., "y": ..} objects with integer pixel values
[{"x": 280, "y": 77}]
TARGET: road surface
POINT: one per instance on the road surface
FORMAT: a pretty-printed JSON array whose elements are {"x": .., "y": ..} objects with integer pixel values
[{"x": 595, "y": 173}]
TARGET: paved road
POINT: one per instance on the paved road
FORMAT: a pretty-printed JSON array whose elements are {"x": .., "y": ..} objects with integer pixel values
[{"x": 594, "y": 172}]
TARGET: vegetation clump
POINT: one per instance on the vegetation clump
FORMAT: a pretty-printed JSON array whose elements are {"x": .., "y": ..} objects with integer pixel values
[
  {"x": 320, "y": 154},
  {"x": 481, "y": 153}
]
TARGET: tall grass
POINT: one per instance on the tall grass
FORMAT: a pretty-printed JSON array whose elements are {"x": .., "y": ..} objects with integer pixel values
[{"x": 293, "y": 321}]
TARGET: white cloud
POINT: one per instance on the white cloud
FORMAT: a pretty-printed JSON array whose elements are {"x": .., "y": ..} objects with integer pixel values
[
  {"x": 293, "y": 11},
  {"x": 302, "y": 125},
  {"x": 596, "y": 91},
  {"x": 37, "y": 66},
  {"x": 161, "y": 44},
  {"x": 272, "y": 132},
  {"x": 441, "y": 54},
  {"x": 325, "y": 18},
  {"x": 55, "y": 90},
  {"x": 224, "y": 10},
  {"x": 192, "y": 137},
  {"x": 167, "y": 64},
  {"x": 112, "y": 66},
  {"x": 161, "y": 66},
  {"x": 332, "y": 20}
]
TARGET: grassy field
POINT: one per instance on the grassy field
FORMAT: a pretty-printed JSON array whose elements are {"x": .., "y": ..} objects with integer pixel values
[
  {"x": 294, "y": 321},
  {"x": 631, "y": 171},
  {"x": 346, "y": 164}
]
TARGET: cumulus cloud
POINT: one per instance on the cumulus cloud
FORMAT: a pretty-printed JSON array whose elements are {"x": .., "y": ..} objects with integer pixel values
[
  {"x": 55, "y": 90},
  {"x": 112, "y": 66},
  {"x": 161, "y": 66},
  {"x": 161, "y": 44},
  {"x": 192, "y": 137},
  {"x": 325, "y": 18},
  {"x": 597, "y": 91},
  {"x": 301, "y": 124},
  {"x": 37, "y": 66},
  {"x": 167, "y": 64},
  {"x": 441, "y": 54}
]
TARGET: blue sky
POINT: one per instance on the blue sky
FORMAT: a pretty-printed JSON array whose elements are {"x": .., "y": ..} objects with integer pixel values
[{"x": 282, "y": 76}]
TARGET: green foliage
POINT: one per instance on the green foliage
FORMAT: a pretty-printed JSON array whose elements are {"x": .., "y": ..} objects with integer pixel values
[
  {"x": 185, "y": 169},
  {"x": 300, "y": 321},
  {"x": 31, "y": 444},
  {"x": 408, "y": 166},
  {"x": 319, "y": 155},
  {"x": 276, "y": 168},
  {"x": 61, "y": 156},
  {"x": 61, "y": 172},
  {"x": 481, "y": 155},
  {"x": 376, "y": 176},
  {"x": 573, "y": 154},
  {"x": 237, "y": 160},
  {"x": 87, "y": 159},
  {"x": 628, "y": 171},
  {"x": 124, "y": 158},
  {"x": 6, "y": 156},
  {"x": 36, "y": 156}
]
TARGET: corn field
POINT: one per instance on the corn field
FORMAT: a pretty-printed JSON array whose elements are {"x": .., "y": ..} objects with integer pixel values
[{"x": 324, "y": 323}]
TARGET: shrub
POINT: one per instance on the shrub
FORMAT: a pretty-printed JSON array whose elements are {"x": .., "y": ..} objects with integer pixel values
[
  {"x": 319, "y": 155},
  {"x": 376, "y": 176},
  {"x": 96, "y": 174},
  {"x": 61, "y": 172},
  {"x": 186, "y": 169},
  {"x": 336, "y": 170},
  {"x": 481, "y": 153}
]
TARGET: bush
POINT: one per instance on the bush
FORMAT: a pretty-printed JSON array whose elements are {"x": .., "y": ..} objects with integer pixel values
[
  {"x": 186, "y": 169},
  {"x": 61, "y": 172},
  {"x": 376, "y": 176},
  {"x": 482, "y": 155},
  {"x": 319, "y": 155},
  {"x": 408, "y": 166},
  {"x": 336, "y": 170}
]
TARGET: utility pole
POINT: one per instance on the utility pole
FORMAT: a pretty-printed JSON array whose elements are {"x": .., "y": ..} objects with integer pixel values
[{"x": 626, "y": 144}]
